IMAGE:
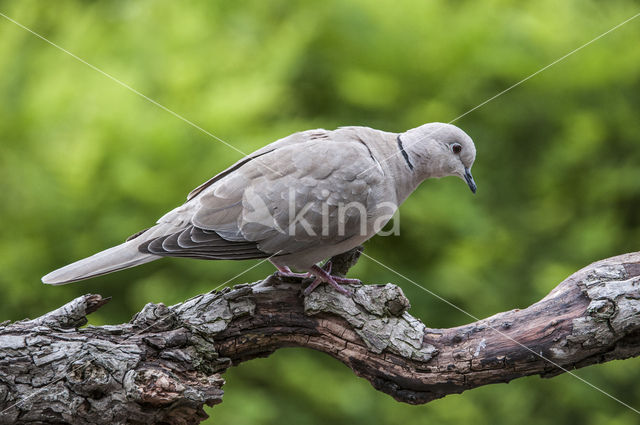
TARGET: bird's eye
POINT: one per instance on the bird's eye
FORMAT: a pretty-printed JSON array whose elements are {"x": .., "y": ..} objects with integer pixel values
[{"x": 456, "y": 148}]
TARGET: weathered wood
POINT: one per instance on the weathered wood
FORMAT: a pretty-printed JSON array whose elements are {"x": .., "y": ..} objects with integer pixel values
[{"x": 165, "y": 364}]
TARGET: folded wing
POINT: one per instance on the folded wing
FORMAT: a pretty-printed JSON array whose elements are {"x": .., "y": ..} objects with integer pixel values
[{"x": 317, "y": 189}]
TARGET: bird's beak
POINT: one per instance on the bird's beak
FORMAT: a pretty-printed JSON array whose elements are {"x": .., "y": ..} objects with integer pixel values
[{"x": 469, "y": 179}]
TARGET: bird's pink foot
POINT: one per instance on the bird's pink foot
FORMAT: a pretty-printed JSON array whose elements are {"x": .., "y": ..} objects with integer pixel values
[
  {"x": 285, "y": 271},
  {"x": 344, "y": 280},
  {"x": 323, "y": 275},
  {"x": 347, "y": 281}
]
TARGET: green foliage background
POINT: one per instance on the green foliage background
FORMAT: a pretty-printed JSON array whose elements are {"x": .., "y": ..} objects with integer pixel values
[{"x": 84, "y": 163}]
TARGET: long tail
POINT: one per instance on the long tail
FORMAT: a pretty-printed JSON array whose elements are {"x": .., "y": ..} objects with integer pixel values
[{"x": 110, "y": 260}]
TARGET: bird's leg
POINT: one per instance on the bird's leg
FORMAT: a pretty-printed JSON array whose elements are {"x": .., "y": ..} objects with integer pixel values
[
  {"x": 324, "y": 276},
  {"x": 345, "y": 280},
  {"x": 317, "y": 281},
  {"x": 327, "y": 266},
  {"x": 285, "y": 271}
]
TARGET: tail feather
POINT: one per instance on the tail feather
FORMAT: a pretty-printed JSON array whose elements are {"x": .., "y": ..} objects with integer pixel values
[{"x": 119, "y": 257}]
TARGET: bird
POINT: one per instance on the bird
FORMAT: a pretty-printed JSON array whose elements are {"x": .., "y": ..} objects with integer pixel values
[{"x": 296, "y": 202}]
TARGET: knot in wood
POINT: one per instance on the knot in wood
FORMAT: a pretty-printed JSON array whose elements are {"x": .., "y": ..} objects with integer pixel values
[{"x": 602, "y": 309}]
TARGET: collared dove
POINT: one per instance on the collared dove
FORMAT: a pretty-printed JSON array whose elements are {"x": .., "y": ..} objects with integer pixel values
[{"x": 297, "y": 201}]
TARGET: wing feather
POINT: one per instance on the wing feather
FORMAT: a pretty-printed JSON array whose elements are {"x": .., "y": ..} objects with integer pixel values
[
  {"x": 285, "y": 198},
  {"x": 211, "y": 246}
]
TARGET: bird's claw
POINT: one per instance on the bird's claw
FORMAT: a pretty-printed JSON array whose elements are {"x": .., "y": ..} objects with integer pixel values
[
  {"x": 324, "y": 275},
  {"x": 286, "y": 272},
  {"x": 321, "y": 274},
  {"x": 347, "y": 281}
]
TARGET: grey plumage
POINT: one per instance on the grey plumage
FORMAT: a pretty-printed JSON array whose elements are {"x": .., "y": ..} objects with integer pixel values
[{"x": 251, "y": 209}]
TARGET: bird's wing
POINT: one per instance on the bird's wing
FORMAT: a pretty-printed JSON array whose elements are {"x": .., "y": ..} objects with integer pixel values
[
  {"x": 313, "y": 188},
  {"x": 300, "y": 137},
  {"x": 193, "y": 242}
]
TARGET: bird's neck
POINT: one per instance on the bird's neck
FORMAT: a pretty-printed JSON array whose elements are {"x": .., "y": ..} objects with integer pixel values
[
  {"x": 407, "y": 180},
  {"x": 397, "y": 163},
  {"x": 413, "y": 164}
]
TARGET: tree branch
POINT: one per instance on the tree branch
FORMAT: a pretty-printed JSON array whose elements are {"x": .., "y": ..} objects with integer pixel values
[{"x": 165, "y": 364}]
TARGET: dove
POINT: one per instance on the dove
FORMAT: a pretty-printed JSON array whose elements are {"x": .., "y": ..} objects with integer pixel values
[{"x": 296, "y": 202}]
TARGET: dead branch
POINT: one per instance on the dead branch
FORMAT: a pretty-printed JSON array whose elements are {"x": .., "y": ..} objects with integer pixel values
[{"x": 166, "y": 363}]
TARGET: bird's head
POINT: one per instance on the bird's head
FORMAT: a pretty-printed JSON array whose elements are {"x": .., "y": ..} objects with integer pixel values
[{"x": 439, "y": 150}]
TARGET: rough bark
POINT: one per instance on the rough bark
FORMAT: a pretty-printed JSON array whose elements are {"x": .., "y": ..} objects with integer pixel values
[{"x": 165, "y": 364}]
